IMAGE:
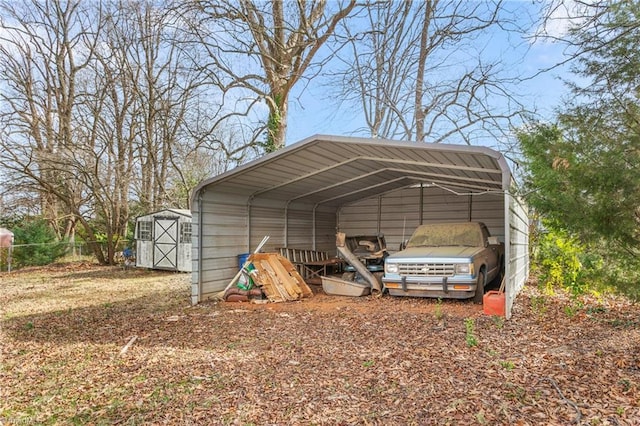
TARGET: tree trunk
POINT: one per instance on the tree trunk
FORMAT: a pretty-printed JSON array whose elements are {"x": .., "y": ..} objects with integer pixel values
[
  {"x": 419, "y": 112},
  {"x": 277, "y": 124}
]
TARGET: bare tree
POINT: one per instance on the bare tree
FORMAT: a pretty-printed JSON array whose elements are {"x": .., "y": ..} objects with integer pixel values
[
  {"x": 108, "y": 129},
  {"x": 147, "y": 102},
  {"x": 167, "y": 89},
  {"x": 95, "y": 115},
  {"x": 378, "y": 65},
  {"x": 265, "y": 48},
  {"x": 44, "y": 47},
  {"x": 427, "y": 71}
]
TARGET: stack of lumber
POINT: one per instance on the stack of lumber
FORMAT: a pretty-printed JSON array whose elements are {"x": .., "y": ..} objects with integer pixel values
[
  {"x": 278, "y": 278},
  {"x": 274, "y": 276}
]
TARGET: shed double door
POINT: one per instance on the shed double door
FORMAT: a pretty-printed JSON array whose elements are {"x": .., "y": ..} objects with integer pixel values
[{"x": 165, "y": 247}]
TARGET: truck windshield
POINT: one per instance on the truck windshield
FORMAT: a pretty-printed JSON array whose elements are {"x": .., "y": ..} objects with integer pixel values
[{"x": 448, "y": 234}]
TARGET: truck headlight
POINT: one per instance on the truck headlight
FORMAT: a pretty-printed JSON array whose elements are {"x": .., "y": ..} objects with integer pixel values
[
  {"x": 464, "y": 269},
  {"x": 391, "y": 268}
]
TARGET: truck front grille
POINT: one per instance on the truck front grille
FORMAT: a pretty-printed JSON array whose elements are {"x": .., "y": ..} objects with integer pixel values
[{"x": 426, "y": 269}]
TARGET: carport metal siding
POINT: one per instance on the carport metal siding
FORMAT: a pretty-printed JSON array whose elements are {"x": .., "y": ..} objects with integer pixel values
[
  {"x": 517, "y": 267},
  {"x": 398, "y": 213},
  {"x": 294, "y": 195}
]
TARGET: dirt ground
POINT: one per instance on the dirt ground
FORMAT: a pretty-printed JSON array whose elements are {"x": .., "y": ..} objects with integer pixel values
[{"x": 84, "y": 344}]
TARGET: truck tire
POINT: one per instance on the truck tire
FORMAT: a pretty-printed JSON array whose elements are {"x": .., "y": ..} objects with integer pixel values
[{"x": 477, "y": 298}]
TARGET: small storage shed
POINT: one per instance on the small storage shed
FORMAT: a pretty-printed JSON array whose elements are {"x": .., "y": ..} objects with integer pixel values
[
  {"x": 303, "y": 194},
  {"x": 163, "y": 240}
]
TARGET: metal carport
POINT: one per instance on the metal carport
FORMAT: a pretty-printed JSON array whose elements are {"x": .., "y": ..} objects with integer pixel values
[{"x": 301, "y": 195}]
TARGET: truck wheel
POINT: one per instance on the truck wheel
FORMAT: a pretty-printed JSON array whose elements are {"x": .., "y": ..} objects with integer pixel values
[{"x": 477, "y": 298}]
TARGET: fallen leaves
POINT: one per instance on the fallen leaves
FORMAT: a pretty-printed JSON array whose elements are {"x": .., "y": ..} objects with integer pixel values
[{"x": 324, "y": 360}]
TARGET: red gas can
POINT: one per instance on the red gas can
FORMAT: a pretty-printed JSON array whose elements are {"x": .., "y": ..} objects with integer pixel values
[{"x": 493, "y": 303}]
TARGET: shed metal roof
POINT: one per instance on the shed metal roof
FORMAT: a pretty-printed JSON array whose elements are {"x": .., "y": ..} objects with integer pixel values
[
  {"x": 179, "y": 212},
  {"x": 337, "y": 170}
]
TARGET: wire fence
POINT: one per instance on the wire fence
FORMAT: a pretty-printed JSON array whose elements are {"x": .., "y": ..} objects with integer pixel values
[{"x": 72, "y": 251}]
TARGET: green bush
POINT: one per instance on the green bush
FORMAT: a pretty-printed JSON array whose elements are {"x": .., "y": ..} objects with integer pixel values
[
  {"x": 558, "y": 258},
  {"x": 562, "y": 261},
  {"x": 36, "y": 244}
]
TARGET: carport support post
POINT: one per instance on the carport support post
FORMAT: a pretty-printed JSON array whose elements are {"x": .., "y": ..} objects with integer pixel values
[
  {"x": 249, "y": 205},
  {"x": 286, "y": 225},
  {"x": 313, "y": 230},
  {"x": 378, "y": 230},
  {"x": 196, "y": 298},
  {"x": 421, "y": 207},
  {"x": 508, "y": 287}
]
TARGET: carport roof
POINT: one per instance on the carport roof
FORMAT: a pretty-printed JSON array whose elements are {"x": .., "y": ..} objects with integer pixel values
[{"x": 337, "y": 170}]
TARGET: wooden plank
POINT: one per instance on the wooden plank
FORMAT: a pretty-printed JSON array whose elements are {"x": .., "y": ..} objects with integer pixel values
[
  {"x": 272, "y": 285},
  {"x": 264, "y": 280},
  {"x": 292, "y": 271},
  {"x": 289, "y": 284}
]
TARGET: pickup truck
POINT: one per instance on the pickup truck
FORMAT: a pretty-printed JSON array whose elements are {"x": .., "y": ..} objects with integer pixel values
[{"x": 445, "y": 260}]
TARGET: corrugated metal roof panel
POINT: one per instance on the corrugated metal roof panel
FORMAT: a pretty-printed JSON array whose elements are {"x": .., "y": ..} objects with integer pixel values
[{"x": 335, "y": 170}]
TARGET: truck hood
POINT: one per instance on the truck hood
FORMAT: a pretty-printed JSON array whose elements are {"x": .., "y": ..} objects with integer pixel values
[{"x": 420, "y": 253}]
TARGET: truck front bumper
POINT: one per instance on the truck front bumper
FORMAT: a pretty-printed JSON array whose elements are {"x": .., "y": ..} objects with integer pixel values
[{"x": 444, "y": 287}]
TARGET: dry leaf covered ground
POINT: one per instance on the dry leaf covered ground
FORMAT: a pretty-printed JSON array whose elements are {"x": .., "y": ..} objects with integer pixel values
[{"x": 83, "y": 344}]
